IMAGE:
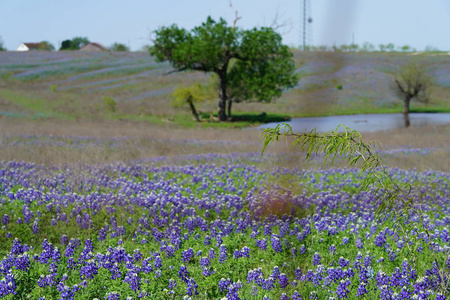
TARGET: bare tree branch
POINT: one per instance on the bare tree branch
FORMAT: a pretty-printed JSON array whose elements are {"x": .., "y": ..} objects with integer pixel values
[
  {"x": 281, "y": 25},
  {"x": 237, "y": 18}
]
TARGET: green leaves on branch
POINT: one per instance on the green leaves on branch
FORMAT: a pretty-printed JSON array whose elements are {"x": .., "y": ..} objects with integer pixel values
[{"x": 346, "y": 144}]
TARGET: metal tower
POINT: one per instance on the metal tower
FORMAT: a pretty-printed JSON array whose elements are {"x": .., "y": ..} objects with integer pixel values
[{"x": 305, "y": 24}]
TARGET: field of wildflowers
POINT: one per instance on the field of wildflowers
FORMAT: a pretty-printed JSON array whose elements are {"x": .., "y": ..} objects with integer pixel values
[
  {"x": 211, "y": 219},
  {"x": 215, "y": 229}
]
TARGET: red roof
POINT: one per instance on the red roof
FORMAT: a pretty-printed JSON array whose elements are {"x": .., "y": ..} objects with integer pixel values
[{"x": 32, "y": 45}]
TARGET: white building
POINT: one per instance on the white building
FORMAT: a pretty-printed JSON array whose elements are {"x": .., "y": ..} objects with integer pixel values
[{"x": 28, "y": 47}]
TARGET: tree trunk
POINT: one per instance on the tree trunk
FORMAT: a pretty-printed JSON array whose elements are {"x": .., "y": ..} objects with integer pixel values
[
  {"x": 222, "y": 95},
  {"x": 230, "y": 102},
  {"x": 193, "y": 110},
  {"x": 406, "y": 111}
]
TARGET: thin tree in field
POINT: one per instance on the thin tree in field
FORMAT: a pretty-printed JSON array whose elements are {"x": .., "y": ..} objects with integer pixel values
[{"x": 412, "y": 82}]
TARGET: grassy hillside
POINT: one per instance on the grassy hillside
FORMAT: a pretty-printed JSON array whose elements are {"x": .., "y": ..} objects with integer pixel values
[{"x": 76, "y": 85}]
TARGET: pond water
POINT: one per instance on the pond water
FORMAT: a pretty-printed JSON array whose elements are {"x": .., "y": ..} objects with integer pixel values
[{"x": 365, "y": 122}]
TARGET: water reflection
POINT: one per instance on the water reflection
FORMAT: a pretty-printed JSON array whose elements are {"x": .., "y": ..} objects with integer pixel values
[{"x": 365, "y": 123}]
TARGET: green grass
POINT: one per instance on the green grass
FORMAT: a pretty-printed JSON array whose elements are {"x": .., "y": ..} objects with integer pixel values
[{"x": 36, "y": 106}]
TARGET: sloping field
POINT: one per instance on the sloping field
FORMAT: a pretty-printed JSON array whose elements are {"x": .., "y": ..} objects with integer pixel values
[{"x": 77, "y": 83}]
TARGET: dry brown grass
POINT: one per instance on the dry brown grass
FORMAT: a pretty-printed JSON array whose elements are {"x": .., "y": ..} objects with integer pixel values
[{"x": 138, "y": 140}]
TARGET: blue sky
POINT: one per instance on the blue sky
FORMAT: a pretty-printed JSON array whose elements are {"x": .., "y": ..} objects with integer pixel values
[{"x": 402, "y": 22}]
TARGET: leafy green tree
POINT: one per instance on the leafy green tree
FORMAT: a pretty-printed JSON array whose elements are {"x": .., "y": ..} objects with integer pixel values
[
  {"x": 78, "y": 42},
  {"x": 412, "y": 82},
  {"x": 390, "y": 47},
  {"x": 406, "y": 48},
  {"x": 74, "y": 44},
  {"x": 46, "y": 46},
  {"x": 256, "y": 56},
  {"x": 66, "y": 45},
  {"x": 119, "y": 47},
  {"x": 367, "y": 47},
  {"x": 2, "y": 48}
]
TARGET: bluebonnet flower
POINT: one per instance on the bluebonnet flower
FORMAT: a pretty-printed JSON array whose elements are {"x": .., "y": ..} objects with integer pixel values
[
  {"x": 89, "y": 269},
  {"x": 67, "y": 293},
  {"x": 303, "y": 249},
  {"x": 284, "y": 281},
  {"x": 187, "y": 255},
  {"x": 222, "y": 254},
  {"x": 112, "y": 296},
  {"x": 313, "y": 295},
  {"x": 316, "y": 258},
  {"x": 8, "y": 285},
  {"x": 359, "y": 243},
  {"x": 5, "y": 219},
  {"x": 276, "y": 243},
  {"x": 332, "y": 249},
  {"x": 158, "y": 262},
  {"x": 342, "y": 289},
  {"x": 191, "y": 288},
  {"x": 262, "y": 244},
  {"x": 362, "y": 290},
  {"x": 212, "y": 253},
  {"x": 386, "y": 293},
  {"x": 254, "y": 291},
  {"x": 343, "y": 262},
  {"x": 133, "y": 280},
  {"x": 183, "y": 273},
  {"x": 17, "y": 248},
  {"x": 268, "y": 284},
  {"x": 245, "y": 252},
  {"x": 296, "y": 296},
  {"x": 170, "y": 251},
  {"x": 22, "y": 262},
  {"x": 284, "y": 297},
  {"x": 276, "y": 273},
  {"x": 224, "y": 283}
]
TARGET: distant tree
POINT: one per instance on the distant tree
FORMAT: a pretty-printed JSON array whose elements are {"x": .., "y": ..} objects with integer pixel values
[
  {"x": 265, "y": 63},
  {"x": 367, "y": 47},
  {"x": 431, "y": 49},
  {"x": 119, "y": 47},
  {"x": 74, "y": 44},
  {"x": 390, "y": 47},
  {"x": 412, "y": 82},
  {"x": 406, "y": 48},
  {"x": 66, "y": 45},
  {"x": 343, "y": 48},
  {"x": 78, "y": 42},
  {"x": 354, "y": 47},
  {"x": 46, "y": 46},
  {"x": 382, "y": 47},
  {"x": 2, "y": 48}
]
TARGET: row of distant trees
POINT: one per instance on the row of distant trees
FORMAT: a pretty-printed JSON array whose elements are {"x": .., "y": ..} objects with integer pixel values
[
  {"x": 368, "y": 47},
  {"x": 73, "y": 44},
  {"x": 77, "y": 42}
]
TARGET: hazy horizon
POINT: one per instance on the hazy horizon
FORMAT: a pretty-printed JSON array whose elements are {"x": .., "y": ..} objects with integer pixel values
[{"x": 401, "y": 22}]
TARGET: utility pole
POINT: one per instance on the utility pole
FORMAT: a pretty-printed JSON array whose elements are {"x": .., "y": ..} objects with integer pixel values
[{"x": 305, "y": 24}]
